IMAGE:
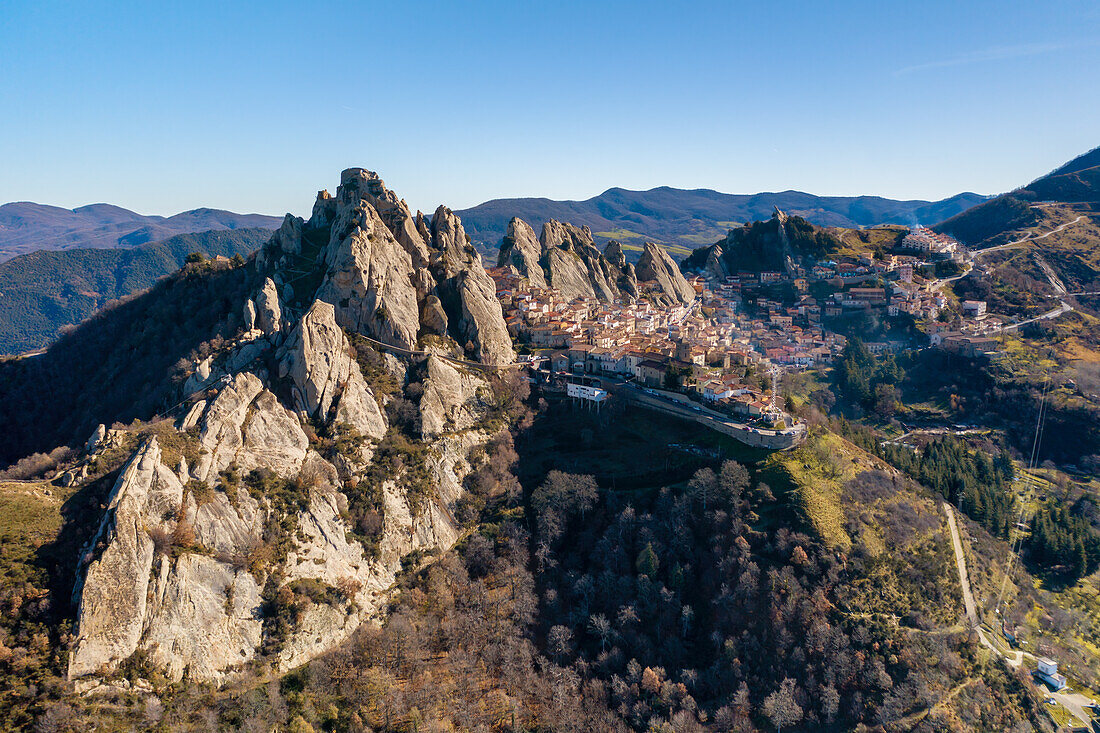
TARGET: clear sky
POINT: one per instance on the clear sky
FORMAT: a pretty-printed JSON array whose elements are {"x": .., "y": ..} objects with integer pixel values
[{"x": 161, "y": 107}]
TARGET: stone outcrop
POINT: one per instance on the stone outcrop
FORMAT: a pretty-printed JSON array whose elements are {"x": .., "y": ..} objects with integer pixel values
[
  {"x": 383, "y": 266},
  {"x": 614, "y": 254},
  {"x": 475, "y": 315},
  {"x": 521, "y": 252},
  {"x": 328, "y": 384},
  {"x": 715, "y": 266},
  {"x": 173, "y": 570},
  {"x": 205, "y": 619},
  {"x": 450, "y": 400},
  {"x": 269, "y": 314},
  {"x": 433, "y": 319},
  {"x": 574, "y": 265},
  {"x": 195, "y": 613},
  {"x": 358, "y": 184},
  {"x": 115, "y": 595},
  {"x": 246, "y": 426},
  {"x": 627, "y": 281},
  {"x": 566, "y": 258},
  {"x": 657, "y": 268},
  {"x": 370, "y": 279}
]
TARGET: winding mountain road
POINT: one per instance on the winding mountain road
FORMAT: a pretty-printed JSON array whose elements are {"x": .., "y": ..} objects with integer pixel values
[{"x": 1029, "y": 238}]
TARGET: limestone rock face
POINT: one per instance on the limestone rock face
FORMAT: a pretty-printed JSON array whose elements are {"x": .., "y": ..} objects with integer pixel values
[
  {"x": 249, "y": 315},
  {"x": 206, "y": 618},
  {"x": 559, "y": 234},
  {"x": 96, "y": 439},
  {"x": 716, "y": 265},
  {"x": 371, "y": 279},
  {"x": 246, "y": 425},
  {"x": 433, "y": 319},
  {"x": 450, "y": 400},
  {"x": 114, "y": 598},
  {"x": 269, "y": 314},
  {"x": 575, "y": 267},
  {"x": 288, "y": 238},
  {"x": 613, "y": 253},
  {"x": 475, "y": 314},
  {"x": 323, "y": 552},
  {"x": 569, "y": 274},
  {"x": 521, "y": 252},
  {"x": 229, "y": 526},
  {"x": 168, "y": 573},
  {"x": 327, "y": 381},
  {"x": 195, "y": 613},
  {"x": 658, "y": 267},
  {"x": 358, "y": 184}
]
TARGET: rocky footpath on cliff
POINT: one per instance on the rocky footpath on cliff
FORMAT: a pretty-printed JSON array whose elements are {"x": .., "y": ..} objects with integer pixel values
[
  {"x": 565, "y": 258},
  {"x": 265, "y": 516}
]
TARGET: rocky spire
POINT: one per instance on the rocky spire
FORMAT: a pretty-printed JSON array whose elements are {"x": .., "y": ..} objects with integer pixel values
[
  {"x": 656, "y": 266},
  {"x": 521, "y": 252},
  {"x": 370, "y": 278},
  {"x": 360, "y": 265},
  {"x": 466, "y": 292},
  {"x": 393, "y": 211}
]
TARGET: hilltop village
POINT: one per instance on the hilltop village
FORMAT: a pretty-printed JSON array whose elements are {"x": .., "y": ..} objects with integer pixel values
[{"x": 726, "y": 342}]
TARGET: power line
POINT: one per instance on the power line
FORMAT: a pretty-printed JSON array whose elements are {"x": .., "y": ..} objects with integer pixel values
[{"x": 1026, "y": 513}]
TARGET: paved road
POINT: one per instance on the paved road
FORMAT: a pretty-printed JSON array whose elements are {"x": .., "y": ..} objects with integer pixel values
[
  {"x": 1029, "y": 238},
  {"x": 1061, "y": 309},
  {"x": 689, "y": 411},
  {"x": 940, "y": 283}
]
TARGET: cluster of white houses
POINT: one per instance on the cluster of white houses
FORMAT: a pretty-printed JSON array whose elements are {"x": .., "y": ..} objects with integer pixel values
[
  {"x": 716, "y": 345},
  {"x": 923, "y": 239},
  {"x": 708, "y": 347}
]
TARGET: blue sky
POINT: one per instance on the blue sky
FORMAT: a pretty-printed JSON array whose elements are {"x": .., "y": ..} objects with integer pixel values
[{"x": 161, "y": 107}]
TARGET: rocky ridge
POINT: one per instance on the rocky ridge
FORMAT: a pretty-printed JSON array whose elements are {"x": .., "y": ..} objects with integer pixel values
[
  {"x": 565, "y": 257},
  {"x": 275, "y": 518}
]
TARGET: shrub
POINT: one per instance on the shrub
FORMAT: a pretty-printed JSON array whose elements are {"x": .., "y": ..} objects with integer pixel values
[{"x": 37, "y": 464}]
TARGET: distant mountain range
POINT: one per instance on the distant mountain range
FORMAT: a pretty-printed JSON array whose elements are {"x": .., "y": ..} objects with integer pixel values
[
  {"x": 40, "y": 292},
  {"x": 682, "y": 220},
  {"x": 27, "y": 227}
]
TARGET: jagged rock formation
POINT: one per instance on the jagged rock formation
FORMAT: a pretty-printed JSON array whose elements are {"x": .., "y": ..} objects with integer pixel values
[
  {"x": 475, "y": 316},
  {"x": 115, "y": 593},
  {"x": 282, "y": 424},
  {"x": 656, "y": 265},
  {"x": 327, "y": 382},
  {"x": 522, "y": 252},
  {"x": 776, "y": 244},
  {"x": 382, "y": 268},
  {"x": 450, "y": 399},
  {"x": 566, "y": 258},
  {"x": 715, "y": 265},
  {"x": 370, "y": 277}
]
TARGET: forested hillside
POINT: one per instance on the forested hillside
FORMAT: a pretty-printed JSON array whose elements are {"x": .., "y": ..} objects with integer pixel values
[
  {"x": 120, "y": 363},
  {"x": 44, "y": 291}
]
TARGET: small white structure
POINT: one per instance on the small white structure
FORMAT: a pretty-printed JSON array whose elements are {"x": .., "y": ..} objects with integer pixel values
[
  {"x": 975, "y": 308},
  {"x": 1047, "y": 671},
  {"x": 584, "y": 392}
]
